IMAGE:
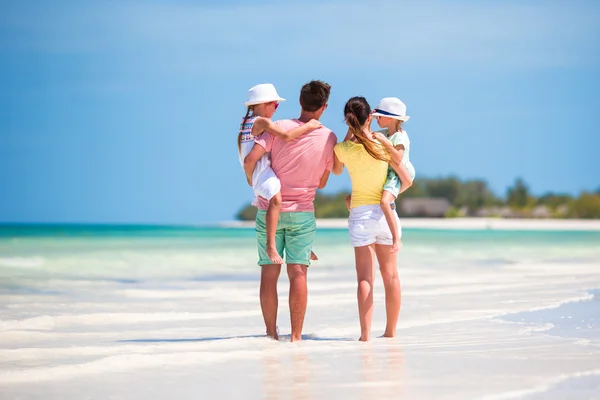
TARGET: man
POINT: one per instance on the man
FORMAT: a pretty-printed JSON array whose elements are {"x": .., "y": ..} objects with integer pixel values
[{"x": 302, "y": 165}]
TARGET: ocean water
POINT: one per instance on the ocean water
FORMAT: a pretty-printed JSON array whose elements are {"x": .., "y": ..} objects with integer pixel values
[{"x": 98, "y": 312}]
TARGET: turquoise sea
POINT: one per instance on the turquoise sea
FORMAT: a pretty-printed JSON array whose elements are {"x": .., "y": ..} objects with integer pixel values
[{"x": 172, "y": 312}]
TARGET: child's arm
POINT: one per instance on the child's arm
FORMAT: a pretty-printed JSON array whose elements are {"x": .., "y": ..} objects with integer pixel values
[
  {"x": 251, "y": 159},
  {"x": 265, "y": 124},
  {"x": 396, "y": 153}
]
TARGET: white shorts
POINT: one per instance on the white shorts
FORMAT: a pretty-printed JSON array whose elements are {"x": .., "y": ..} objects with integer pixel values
[
  {"x": 265, "y": 183},
  {"x": 367, "y": 225}
]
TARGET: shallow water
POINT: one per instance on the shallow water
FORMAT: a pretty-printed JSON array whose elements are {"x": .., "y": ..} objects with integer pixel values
[{"x": 147, "y": 312}]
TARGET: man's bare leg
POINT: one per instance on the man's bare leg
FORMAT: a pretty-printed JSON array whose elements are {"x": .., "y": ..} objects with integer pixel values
[
  {"x": 268, "y": 297},
  {"x": 298, "y": 298}
]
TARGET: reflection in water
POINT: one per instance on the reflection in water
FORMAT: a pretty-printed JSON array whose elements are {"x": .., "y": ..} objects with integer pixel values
[
  {"x": 287, "y": 377},
  {"x": 382, "y": 371},
  {"x": 272, "y": 383}
]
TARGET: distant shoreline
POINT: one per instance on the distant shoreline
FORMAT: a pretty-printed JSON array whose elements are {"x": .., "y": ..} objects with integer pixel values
[{"x": 462, "y": 224}]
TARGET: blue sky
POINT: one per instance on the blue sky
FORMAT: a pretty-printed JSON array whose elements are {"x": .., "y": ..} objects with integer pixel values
[{"x": 127, "y": 111}]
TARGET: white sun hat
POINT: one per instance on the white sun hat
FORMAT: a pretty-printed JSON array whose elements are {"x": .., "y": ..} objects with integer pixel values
[
  {"x": 263, "y": 93},
  {"x": 391, "y": 107}
]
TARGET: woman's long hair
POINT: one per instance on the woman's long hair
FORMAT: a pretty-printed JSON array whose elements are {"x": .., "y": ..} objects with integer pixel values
[{"x": 356, "y": 113}]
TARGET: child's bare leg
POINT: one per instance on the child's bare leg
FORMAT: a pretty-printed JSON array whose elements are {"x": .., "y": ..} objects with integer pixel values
[
  {"x": 313, "y": 256},
  {"x": 390, "y": 216},
  {"x": 348, "y": 201},
  {"x": 272, "y": 218}
]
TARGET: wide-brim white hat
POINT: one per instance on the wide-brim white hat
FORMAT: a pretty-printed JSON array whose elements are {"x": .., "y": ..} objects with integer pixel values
[
  {"x": 263, "y": 93},
  {"x": 391, "y": 107}
]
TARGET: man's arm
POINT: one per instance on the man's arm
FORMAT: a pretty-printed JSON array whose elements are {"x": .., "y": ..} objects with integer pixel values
[
  {"x": 251, "y": 159},
  {"x": 324, "y": 178},
  {"x": 265, "y": 124}
]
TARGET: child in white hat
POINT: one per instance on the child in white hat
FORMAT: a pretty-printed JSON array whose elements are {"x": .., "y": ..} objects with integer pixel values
[
  {"x": 262, "y": 103},
  {"x": 391, "y": 114}
]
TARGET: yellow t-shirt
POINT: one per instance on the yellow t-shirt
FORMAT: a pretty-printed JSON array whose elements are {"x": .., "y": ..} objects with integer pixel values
[{"x": 367, "y": 174}]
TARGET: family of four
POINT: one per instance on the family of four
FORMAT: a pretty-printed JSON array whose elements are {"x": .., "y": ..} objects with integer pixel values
[{"x": 287, "y": 160}]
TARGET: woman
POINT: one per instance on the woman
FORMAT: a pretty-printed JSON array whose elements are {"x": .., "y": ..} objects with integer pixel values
[{"x": 367, "y": 163}]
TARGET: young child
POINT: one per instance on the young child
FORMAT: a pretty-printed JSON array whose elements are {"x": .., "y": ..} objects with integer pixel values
[
  {"x": 262, "y": 103},
  {"x": 390, "y": 114}
]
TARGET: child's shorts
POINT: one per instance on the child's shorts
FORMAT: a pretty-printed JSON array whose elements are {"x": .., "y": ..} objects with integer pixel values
[
  {"x": 266, "y": 184},
  {"x": 393, "y": 183}
]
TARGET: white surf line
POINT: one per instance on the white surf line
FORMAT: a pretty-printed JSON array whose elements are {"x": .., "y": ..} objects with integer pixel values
[{"x": 541, "y": 388}]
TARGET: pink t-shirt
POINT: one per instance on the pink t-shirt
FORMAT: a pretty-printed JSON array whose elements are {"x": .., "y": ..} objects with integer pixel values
[{"x": 299, "y": 164}]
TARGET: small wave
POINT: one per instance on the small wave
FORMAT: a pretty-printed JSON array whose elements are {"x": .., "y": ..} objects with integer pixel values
[
  {"x": 541, "y": 388},
  {"x": 50, "y": 322},
  {"x": 27, "y": 262}
]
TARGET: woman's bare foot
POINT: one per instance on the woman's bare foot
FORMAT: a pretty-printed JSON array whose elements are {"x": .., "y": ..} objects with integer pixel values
[
  {"x": 273, "y": 255},
  {"x": 387, "y": 334},
  {"x": 313, "y": 256}
]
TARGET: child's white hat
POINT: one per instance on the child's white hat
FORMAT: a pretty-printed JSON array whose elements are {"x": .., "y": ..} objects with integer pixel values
[
  {"x": 263, "y": 93},
  {"x": 391, "y": 107}
]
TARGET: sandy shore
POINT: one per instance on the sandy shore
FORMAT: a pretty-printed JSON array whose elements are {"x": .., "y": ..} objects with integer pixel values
[{"x": 464, "y": 224}]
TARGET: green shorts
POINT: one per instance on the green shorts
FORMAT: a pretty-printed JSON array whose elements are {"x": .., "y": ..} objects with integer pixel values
[{"x": 294, "y": 237}]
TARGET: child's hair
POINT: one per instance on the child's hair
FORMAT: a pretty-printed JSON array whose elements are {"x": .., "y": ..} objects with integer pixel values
[
  {"x": 242, "y": 126},
  {"x": 356, "y": 113},
  {"x": 398, "y": 126},
  {"x": 314, "y": 95}
]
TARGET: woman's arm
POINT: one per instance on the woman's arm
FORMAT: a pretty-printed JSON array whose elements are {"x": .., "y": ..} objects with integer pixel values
[
  {"x": 251, "y": 159},
  {"x": 265, "y": 124},
  {"x": 338, "y": 166},
  {"x": 403, "y": 174}
]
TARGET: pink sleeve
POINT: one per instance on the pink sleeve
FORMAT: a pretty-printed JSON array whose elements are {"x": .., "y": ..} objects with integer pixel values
[
  {"x": 331, "y": 141},
  {"x": 265, "y": 140}
]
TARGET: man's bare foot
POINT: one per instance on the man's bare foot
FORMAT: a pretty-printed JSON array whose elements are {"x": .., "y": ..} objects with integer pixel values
[
  {"x": 274, "y": 255},
  {"x": 273, "y": 336},
  {"x": 313, "y": 256}
]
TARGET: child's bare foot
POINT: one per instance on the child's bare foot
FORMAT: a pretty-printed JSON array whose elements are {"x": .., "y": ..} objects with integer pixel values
[
  {"x": 313, "y": 256},
  {"x": 274, "y": 256}
]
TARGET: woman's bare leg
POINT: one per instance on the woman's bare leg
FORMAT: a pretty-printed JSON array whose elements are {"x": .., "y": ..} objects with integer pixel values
[
  {"x": 365, "y": 271},
  {"x": 391, "y": 283},
  {"x": 272, "y": 218}
]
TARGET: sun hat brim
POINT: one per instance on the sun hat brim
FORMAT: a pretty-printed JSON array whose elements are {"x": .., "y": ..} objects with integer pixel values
[
  {"x": 381, "y": 113},
  {"x": 255, "y": 102}
]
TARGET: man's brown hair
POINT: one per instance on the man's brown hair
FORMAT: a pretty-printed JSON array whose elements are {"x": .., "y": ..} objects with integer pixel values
[{"x": 314, "y": 95}]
